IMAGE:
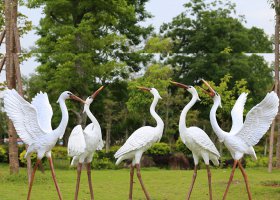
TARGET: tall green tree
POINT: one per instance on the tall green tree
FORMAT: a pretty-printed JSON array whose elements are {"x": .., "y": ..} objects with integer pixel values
[
  {"x": 85, "y": 44},
  {"x": 209, "y": 42},
  {"x": 157, "y": 76}
]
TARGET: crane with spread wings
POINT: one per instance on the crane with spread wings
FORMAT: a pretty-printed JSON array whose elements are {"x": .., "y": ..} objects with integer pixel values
[
  {"x": 243, "y": 136},
  {"x": 32, "y": 122}
]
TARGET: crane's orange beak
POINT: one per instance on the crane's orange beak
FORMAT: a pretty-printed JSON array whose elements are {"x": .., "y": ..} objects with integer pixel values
[
  {"x": 144, "y": 88},
  {"x": 74, "y": 97},
  {"x": 97, "y": 92},
  {"x": 210, "y": 91},
  {"x": 180, "y": 84}
]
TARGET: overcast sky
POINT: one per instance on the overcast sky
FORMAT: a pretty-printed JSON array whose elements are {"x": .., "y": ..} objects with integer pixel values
[{"x": 257, "y": 13}]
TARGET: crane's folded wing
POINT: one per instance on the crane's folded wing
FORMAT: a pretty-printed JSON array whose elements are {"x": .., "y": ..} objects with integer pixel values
[
  {"x": 76, "y": 142},
  {"x": 89, "y": 128},
  {"x": 203, "y": 141},
  {"x": 140, "y": 138}
]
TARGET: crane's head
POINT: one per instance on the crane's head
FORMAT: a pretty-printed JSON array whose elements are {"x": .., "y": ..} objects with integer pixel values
[
  {"x": 69, "y": 95},
  {"x": 152, "y": 90},
  {"x": 90, "y": 99},
  {"x": 189, "y": 88},
  {"x": 212, "y": 93}
]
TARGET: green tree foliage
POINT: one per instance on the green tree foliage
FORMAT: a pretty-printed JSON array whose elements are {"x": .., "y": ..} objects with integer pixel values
[
  {"x": 87, "y": 43},
  {"x": 158, "y": 45},
  {"x": 2, "y": 10},
  {"x": 156, "y": 76},
  {"x": 139, "y": 102},
  {"x": 209, "y": 42}
]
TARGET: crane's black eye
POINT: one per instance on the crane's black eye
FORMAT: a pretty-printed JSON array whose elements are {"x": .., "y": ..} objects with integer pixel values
[
  {"x": 90, "y": 97},
  {"x": 69, "y": 93}
]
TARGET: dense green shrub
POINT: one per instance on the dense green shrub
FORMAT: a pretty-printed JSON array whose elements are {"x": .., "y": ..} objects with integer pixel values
[
  {"x": 60, "y": 152},
  {"x": 181, "y": 147},
  {"x": 33, "y": 156},
  {"x": 259, "y": 149},
  {"x": 102, "y": 153},
  {"x": 159, "y": 149},
  {"x": 260, "y": 162},
  {"x": 102, "y": 163},
  {"x": 3, "y": 154}
]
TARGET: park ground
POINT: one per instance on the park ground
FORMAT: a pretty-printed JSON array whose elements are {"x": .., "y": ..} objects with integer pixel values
[{"x": 162, "y": 184}]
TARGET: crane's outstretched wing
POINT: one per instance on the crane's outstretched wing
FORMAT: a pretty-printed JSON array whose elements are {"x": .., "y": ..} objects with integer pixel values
[
  {"x": 203, "y": 140},
  {"x": 258, "y": 119},
  {"x": 237, "y": 113},
  {"x": 76, "y": 142},
  {"x": 24, "y": 117},
  {"x": 90, "y": 128},
  {"x": 44, "y": 111},
  {"x": 140, "y": 138}
]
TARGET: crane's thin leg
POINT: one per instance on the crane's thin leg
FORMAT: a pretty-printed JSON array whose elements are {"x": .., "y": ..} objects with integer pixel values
[
  {"x": 41, "y": 167},
  {"x": 54, "y": 179},
  {"x": 89, "y": 181},
  {"x": 131, "y": 181},
  {"x": 32, "y": 178},
  {"x": 79, "y": 169},
  {"x": 141, "y": 181},
  {"x": 209, "y": 181},
  {"x": 246, "y": 180},
  {"x": 230, "y": 178},
  {"x": 192, "y": 184}
]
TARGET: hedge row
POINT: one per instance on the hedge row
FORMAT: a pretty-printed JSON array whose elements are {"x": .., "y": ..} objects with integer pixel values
[{"x": 159, "y": 155}]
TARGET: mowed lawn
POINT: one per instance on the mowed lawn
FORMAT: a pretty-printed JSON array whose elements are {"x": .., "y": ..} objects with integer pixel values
[{"x": 162, "y": 184}]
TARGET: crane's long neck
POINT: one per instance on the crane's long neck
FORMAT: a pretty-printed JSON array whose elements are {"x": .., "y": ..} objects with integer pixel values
[
  {"x": 213, "y": 120},
  {"x": 60, "y": 130},
  {"x": 182, "y": 122},
  {"x": 159, "y": 121},
  {"x": 91, "y": 116}
]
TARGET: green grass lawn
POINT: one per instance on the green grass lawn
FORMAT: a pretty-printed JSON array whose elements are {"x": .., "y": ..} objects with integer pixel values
[{"x": 161, "y": 184}]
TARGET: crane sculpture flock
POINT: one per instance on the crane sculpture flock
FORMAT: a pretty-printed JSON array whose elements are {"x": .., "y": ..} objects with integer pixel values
[{"x": 32, "y": 122}]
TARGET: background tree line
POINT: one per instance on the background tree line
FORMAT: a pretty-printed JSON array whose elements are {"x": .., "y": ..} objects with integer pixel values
[{"x": 85, "y": 44}]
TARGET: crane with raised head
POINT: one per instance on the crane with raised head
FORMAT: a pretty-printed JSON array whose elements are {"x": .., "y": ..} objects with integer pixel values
[
  {"x": 241, "y": 139},
  {"x": 197, "y": 140},
  {"x": 83, "y": 143},
  {"x": 139, "y": 141},
  {"x": 32, "y": 122}
]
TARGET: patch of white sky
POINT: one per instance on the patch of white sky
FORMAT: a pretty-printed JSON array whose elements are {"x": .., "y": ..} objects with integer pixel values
[{"x": 257, "y": 13}]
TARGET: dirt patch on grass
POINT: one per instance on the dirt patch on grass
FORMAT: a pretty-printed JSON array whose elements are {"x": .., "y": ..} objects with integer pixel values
[
  {"x": 271, "y": 183},
  {"x": 234, "y": 182}
]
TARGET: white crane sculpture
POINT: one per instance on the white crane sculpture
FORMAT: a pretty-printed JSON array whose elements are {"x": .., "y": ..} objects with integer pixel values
[
  {"x": 197, "y": 140},
  {"x": 33, "y": 125},
  {"x": 243, "y": 137},
  {"x": 83, "y": 143},
  {"x": 140, "y": 141}
]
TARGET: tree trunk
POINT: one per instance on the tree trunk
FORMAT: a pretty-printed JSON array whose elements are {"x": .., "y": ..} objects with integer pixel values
[
  {"x": 270, "y": 157},
  {"x": 265, "y": 147},
  {"x": 276, "y": 89},
  {"x": 108, "y": 133},
  {"x": 278, "y": 143},
  {"x": 166, "y": 123},
  {"x": 10, "y": 19}
]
